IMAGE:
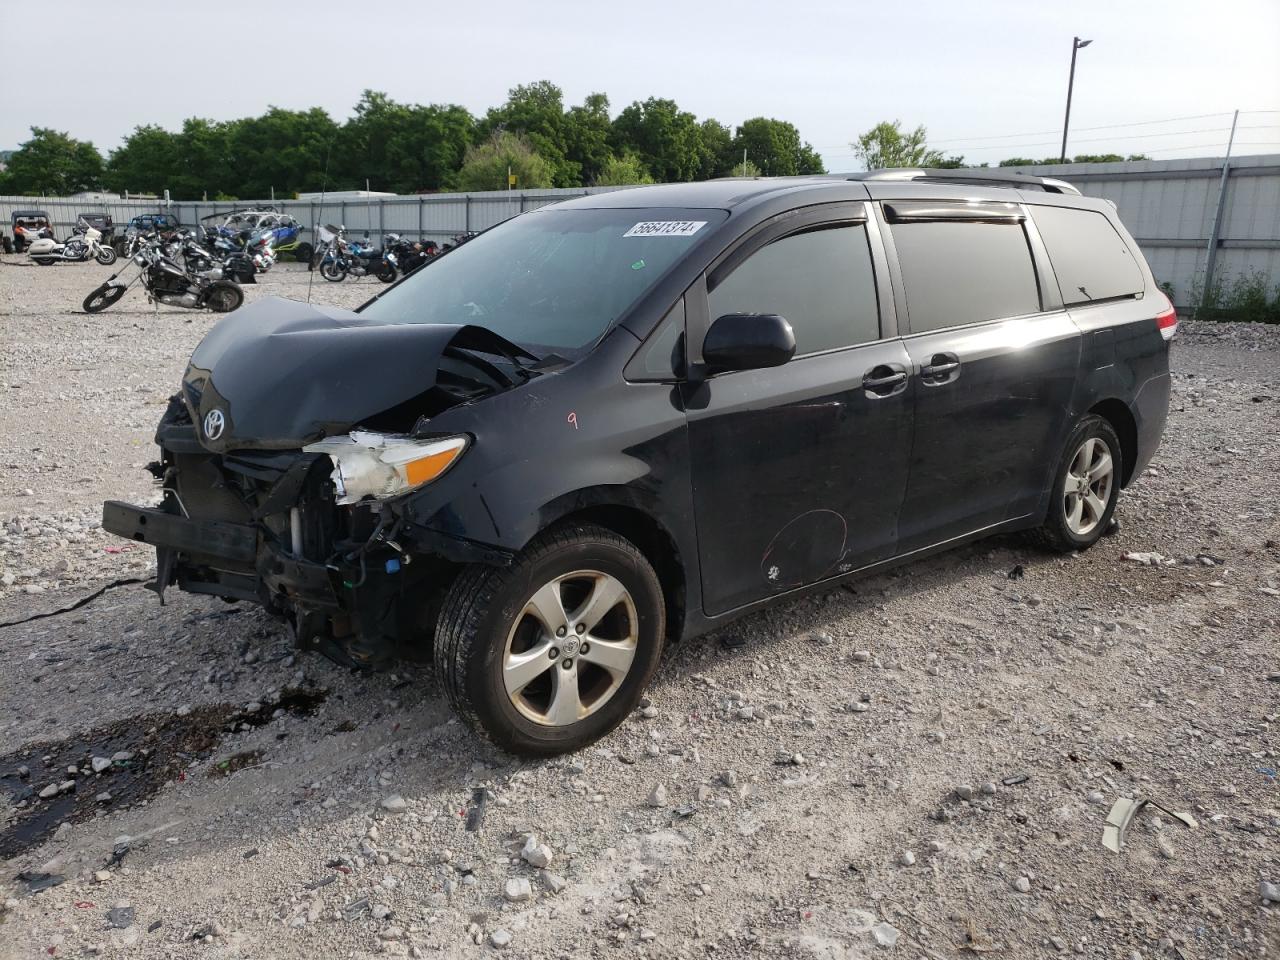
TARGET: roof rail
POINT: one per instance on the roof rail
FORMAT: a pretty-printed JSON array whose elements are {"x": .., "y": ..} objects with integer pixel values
[{"x": 980, "y": 177}]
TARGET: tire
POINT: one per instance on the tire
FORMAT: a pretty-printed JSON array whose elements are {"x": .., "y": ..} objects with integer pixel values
[
  {"x": 302, "y": 253},
  {"x": 1064, "y": 528},
  {"x": 223, "y": 297},
  {"x": 6, "y": 244},
  {"x": 101, "y": 298},
  {"x": 386, "y": 272},
  {"x": 333, "y": 272},
  {"x": 106, "y": 256},
  {"x": 486, "y": 623},
  {"x": 44, "y": 261}
]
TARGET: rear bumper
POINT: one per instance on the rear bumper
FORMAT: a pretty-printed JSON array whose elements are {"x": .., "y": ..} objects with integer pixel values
[{"x": 1151, "y": 411}]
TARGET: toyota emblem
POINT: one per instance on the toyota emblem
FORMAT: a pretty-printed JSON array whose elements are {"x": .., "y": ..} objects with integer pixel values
[{"x": 214, "y": 423}]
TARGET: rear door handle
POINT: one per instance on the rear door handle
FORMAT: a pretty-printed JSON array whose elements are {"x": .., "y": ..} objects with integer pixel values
[
  {"x": 941, "y": 368},
  {"x": 885, "y": 380}
]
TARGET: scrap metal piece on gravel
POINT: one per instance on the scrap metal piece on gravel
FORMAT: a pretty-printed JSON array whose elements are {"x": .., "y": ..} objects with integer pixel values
[
  {"x": 1122, "y": 814},
  {"x": 475, "y": 815},
  {"x": 37, "y": 881}
]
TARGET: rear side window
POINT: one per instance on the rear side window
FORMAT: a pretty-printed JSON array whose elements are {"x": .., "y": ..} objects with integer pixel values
[
  {"x": 1091, "y": 259},
  {"x": 962, "y": 271},
  {"x": 820, "y": 280}
]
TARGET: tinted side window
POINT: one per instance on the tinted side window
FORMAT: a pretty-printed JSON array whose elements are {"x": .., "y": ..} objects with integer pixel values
[
  {"x": 821, "y": 280},
  {"x": 962, "y": 271},
  {"x": 1091, "y": 260}
]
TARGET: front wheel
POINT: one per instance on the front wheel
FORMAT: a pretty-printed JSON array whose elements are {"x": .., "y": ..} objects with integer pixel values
[
  {"x": 385, "y": 272},
  {"x": 223, "y": 297},
  {"x": 553, "y": 652},
  {"x": 102, "y": 298},
  {"x": 333, "y": 271},
  {"x": 106, "y": 256},
  {"x": 1086, "y": 487}
]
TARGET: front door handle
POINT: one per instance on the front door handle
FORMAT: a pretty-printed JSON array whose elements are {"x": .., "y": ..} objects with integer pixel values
[
  {"x": 884, "y": 380},
  {"x": 941, "y": 368}
]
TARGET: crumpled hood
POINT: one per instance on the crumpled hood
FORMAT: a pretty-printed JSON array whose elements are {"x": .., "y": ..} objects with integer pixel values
[{"x": 281, "y": 373}]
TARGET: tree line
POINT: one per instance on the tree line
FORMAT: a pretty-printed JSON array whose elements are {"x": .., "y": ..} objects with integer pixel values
[{"x": 415, "y": 148}]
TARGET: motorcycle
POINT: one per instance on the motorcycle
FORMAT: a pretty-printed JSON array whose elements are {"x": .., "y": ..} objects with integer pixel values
[
  {"x": 168, "y": 282},
  {"x": 408, "y": 255},
  {"x": 341, "y": 258},
  {"x": 85, "y": 244},
  {"x": 218, "y": 249}
]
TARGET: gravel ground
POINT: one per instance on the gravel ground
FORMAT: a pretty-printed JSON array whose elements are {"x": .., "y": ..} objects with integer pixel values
[{"x": 918, "y": 765}]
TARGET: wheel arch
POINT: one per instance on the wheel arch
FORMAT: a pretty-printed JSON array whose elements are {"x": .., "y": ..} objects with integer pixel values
[
  {"x": 1117, "y": 413},
  {"x": 650, "y": 537}
]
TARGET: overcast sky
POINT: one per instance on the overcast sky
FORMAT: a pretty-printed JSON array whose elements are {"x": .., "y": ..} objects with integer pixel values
[{"x": 988, "y": 79}]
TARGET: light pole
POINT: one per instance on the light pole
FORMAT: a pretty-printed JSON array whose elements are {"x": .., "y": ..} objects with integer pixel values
[{"x": 1076, "y": 44}]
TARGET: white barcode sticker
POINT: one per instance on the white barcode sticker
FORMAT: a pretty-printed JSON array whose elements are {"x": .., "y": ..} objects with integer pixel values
[{"x": 666, "y": 228}]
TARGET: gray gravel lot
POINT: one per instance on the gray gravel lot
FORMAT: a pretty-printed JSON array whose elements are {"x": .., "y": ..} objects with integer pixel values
[{"x": 923, "y": 759}]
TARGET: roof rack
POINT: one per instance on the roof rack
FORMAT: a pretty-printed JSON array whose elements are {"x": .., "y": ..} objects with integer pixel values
[{"x": 980, "y": 177}]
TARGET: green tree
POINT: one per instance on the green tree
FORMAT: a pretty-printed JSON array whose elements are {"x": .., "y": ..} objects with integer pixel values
[
  {"x": 586, "y": 136},
  {"x": 775, "y": 147},
  {"x": 401, "y": 148},
  {"x": 52, "y": 163},
  {"x": 146, "y": 161},
  {"x": 486, "y": 164},
  {"x": 282, "y": 150},
  {"x": 886, "y": 145},
  {"x": 666, "y": 138},
  {"x": 715, "y": 150},
  {"x": 623, "y": 171},
  {"x": 535, "y": 112}
]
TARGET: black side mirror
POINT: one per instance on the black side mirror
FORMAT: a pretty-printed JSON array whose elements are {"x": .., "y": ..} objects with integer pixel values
[{"x": 748, "y": 341}]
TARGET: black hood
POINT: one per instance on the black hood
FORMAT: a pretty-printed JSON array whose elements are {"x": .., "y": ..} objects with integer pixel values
[{"x": 282, "y": 373}]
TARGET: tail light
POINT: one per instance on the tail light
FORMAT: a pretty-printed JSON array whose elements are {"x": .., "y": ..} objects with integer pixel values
[{"x": 1167, "y": 322}]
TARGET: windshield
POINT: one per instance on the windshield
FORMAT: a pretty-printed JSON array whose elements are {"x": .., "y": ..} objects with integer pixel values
[{"x": 552, "y": 279}]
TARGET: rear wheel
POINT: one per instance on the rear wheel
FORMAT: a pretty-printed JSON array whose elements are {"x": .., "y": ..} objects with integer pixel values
[
  {"x": 102, "y": 298},
  {"x": 1086, "y": 487},
  {"x": 224, "y": 297},
  {"x": 302, "y": 253},
  {"x": 553, "y": 652}
]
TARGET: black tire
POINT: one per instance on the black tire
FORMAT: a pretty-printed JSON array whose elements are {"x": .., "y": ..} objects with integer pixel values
[
  {"x": 7, "y": 244},
  {"x": 106, "y": 256},
  {"x": 223, "y": 297},
  {"x": 333, "y": 272},
  {"x": 1056, "y": 533},
  {"x": 101, "y": 298},
  {"x": 481, "y": 608},
  {"x": 302, "y": 253},
  {"x": 386, "y": 272}
]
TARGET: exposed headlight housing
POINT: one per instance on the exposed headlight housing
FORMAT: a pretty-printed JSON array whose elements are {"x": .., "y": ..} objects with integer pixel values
[{"x": 383, "y": 465}]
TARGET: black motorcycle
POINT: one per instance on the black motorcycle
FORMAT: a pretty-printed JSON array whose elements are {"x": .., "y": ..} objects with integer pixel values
[
  {"x": 341, "y": 258},
  {"x": 168, "y": 282},
  {"x": 409, "y": 255}
]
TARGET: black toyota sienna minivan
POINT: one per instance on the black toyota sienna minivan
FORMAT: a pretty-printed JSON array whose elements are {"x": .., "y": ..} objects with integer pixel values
[{"x": 628, "y": 418}]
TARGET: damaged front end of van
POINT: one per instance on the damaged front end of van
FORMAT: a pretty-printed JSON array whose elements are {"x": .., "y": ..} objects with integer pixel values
[{"x": 293, "y": 466}]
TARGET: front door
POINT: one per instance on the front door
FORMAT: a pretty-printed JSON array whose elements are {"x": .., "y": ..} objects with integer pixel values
[{"x": 799, "y": 470}]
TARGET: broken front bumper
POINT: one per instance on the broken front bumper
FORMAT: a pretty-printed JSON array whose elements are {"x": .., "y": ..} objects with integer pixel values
[{"x": 224, "y": 559}]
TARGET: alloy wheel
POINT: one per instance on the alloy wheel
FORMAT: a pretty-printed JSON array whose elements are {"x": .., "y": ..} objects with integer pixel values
[
  {"x": 570, "y": 648},
  {"x": 1087, "y": 489}
]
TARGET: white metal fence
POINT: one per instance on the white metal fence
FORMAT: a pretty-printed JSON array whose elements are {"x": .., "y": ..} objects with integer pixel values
[{"x": 1170, "y": 206}]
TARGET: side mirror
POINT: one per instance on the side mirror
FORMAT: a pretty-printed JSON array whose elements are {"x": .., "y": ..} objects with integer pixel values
[{"x": 748, "y": 341}]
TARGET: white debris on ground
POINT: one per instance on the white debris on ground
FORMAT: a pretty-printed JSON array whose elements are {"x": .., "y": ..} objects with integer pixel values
[{"x": 919, "y": 765}]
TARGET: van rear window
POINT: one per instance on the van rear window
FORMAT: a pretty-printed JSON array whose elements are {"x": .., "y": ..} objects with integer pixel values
[{"x": 1091, "y": 259}]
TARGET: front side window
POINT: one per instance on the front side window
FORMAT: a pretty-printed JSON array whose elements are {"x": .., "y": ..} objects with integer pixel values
[
  {"x": 1090, "y": 258},
  {"x": 821, "y": 281},
  {"x": 549, "y": 280},
  {"x": 965, "y": 271}
]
